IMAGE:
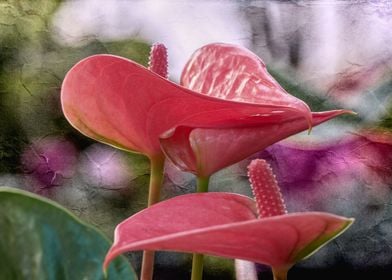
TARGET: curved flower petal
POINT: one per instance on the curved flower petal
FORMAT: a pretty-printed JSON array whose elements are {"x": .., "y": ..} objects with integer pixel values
[
  {"x": 121, "y": 103},
  {"x": 204, "y": 151},
  {"x": 226, "y": 225},
  {"x": 234, "y": 73}
]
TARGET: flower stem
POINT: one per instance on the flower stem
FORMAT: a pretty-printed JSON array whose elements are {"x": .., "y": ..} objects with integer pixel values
[
  {"x": 202, "y": 184},
  {"x": 197, "y": 267},
  {"x": 280, "y": 274},
  {"x": 154, "y": 193},
  {"x": 197, "y": 262}
]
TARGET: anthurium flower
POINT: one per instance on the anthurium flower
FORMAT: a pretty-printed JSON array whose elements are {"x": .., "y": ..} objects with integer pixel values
[
  {"x": 119, "y": 102},
  {"x": 231, "y": 225},
  {"x": 233, "y": 73}
]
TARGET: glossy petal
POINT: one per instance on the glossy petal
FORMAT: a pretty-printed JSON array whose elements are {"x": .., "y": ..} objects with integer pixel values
[
  {"x": 121, "y": 103},
  {"x": 225, "y": 225},
  {"x": 205, "y": 151},
  {"x": 234, "y": 73}
]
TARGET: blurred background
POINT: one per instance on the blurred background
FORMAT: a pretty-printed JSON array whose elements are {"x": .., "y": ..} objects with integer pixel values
[{"x": 331, "y": 54}]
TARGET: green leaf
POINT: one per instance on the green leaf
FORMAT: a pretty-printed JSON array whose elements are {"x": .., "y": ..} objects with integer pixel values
[{"x": 39, "y": 239}]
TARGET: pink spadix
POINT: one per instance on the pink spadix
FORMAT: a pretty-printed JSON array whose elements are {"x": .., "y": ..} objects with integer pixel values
[
  {"x": 158, "y": 60},
  {"x": 269, "y": 199}
]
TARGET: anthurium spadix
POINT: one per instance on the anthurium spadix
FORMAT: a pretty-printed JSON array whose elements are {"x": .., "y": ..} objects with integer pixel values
[
  {"x": 232, "y": 226},
  {"x": 233, "y": 73}
]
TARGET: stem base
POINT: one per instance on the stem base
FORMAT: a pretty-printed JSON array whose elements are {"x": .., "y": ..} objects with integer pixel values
[
  {"x": 197, "y": 262},
  {"x": 154, "y": 193}
]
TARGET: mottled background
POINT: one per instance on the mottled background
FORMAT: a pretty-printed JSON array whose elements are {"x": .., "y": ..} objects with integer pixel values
[{"x": 332, "y": 54}]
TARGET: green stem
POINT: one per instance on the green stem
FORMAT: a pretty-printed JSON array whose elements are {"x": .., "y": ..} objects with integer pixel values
[
  {"x": 202, "y": 184},
  {"x": 280, "y": 274},
  {"x": 197, "y": 262},
  {"x": 197, "y": 267},
  {"x": 154, "y": 193}
]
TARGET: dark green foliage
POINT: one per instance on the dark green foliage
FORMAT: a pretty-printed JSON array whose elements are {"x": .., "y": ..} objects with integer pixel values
[{"x": 41, "y": 240}]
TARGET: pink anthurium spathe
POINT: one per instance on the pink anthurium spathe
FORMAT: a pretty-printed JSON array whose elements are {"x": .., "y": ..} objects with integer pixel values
[
  {"x": 203, "y": 151},
  {"x": 119, "y": 102},
  {"x": 233, "y": 73},
  {"x": 231, "y": 225}
]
